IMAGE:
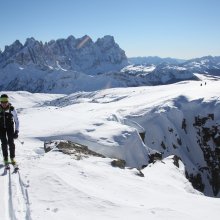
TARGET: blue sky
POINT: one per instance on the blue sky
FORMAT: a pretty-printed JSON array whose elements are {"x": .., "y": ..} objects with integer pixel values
[{"x": 166, "y": 28}]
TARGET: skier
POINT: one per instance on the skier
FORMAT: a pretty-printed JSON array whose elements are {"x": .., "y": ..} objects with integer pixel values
[{"x": 8, "y": 117}]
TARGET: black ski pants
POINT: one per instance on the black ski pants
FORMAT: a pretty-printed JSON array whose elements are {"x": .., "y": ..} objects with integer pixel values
[{"x": 7, "y": 139}]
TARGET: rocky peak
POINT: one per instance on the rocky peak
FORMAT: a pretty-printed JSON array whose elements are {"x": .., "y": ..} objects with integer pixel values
[
  {"x": 30, "y": 42},
  {"x": 11, "y": 50},
  {"x": 71, "y": 41},
  {"x": 106, "y": 42},
  {"x": 85, "y": 41}
]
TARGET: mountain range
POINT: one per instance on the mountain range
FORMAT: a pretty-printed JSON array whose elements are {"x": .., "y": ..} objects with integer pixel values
[
  {"x": 154, "y": 60},
  {"x": 69, "y": 65},
  {"x": 70, "y": 54}
]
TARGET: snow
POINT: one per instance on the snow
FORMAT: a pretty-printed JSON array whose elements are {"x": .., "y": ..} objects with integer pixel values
[
  {"x": 55, "y": 186},
  {"x": 139, "y": 68}
]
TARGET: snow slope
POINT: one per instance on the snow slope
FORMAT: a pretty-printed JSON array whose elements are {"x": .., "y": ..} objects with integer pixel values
[{"x": 54, "y": 185}]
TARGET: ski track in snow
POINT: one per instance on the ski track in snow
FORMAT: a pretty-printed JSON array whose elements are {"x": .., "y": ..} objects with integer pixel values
[
  {"x": 16, "y": 196},
  {"x": 4, "y": 192}
]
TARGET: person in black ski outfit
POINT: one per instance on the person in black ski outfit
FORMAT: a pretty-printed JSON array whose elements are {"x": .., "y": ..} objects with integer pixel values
[{"x": 8, "y": 132}]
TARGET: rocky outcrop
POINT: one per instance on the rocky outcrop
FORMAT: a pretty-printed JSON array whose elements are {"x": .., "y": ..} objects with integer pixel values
[
  {"x": 208, "y": 136},
  {"x": 118, "y": 163},
  {"x": 76, "y": 150}
]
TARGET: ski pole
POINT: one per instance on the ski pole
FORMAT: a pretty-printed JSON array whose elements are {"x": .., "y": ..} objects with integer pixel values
[{"x": 22, "y": 142}]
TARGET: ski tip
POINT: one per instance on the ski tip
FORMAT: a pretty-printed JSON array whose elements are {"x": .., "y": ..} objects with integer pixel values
[{"x": 15, "y": 171}]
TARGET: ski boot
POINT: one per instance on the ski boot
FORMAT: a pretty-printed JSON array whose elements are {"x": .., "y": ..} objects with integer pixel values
[
  {"x": 6, "y": 162},
  {"x": 15, "y": 165},
  {"x": 13, "y": 162}
]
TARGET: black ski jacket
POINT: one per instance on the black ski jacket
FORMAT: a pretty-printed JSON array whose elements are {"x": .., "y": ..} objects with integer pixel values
[{"x": 8, "y": 116}]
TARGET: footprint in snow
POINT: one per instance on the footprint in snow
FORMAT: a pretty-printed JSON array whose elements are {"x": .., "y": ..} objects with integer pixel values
[
  {"x": 90, "y": 130},
  {"x": 55, "y": 210},
  {"x": 98, "y": 124}
]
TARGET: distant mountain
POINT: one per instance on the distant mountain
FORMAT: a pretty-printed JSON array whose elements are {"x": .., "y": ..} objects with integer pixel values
[
  {"x": 81, "y": 54},
  {"x": 159, "y": 74},
  {"x": 70, "y": 65},
  {"x": 154, "y": 60},
  {"x": 207, "y": 65}
]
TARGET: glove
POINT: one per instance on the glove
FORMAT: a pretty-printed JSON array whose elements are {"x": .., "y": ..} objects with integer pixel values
[{"x": 15, "y": 134}]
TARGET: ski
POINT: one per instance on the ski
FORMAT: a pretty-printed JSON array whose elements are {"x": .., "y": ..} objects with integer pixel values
[{"x": 16, "y": 168}]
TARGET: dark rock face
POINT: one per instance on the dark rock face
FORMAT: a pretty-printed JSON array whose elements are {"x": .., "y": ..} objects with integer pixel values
[
  {"x": 154, "y": 157},
  {"x": 207, "y": 137},
  {"x": 196, "y": 181},
  {"x": 176, "y": 160},
  {"x": 208, "y": 140}
]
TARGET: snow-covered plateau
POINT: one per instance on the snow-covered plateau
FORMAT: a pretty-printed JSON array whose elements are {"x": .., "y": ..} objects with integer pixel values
[{"x": 181, "y": 119}]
